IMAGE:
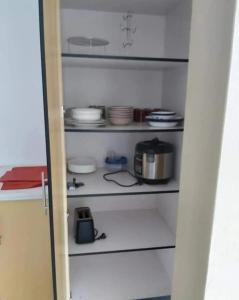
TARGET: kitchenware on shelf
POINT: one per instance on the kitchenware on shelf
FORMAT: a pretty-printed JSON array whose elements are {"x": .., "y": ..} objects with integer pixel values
[
  {"x": 164, "y": 115},
  {"x": 163, "y": 118},
  {"x": 140, "y": 114},
  {"x": 85, "y": 114},
  {"x": 102, "y": 107},
  {"x": 126, "y": 175},
  {"x": 115, "y": 162},
  {"x": 87, "y": 42},
  {"x": 81, "y": 165},
  {"x": 163, "y": 112},
  {"x": 120, "y": 115},
  {"x": 158, "y": 121},
  {"x": 77, "y": 123},
  {"x": 153, "y": 161},
  {"x": 84, "y": 226},
  {"x": 84, "y": 229},
  {"x": 162, "y": 124},
  {"x": 74, "y": 184}
]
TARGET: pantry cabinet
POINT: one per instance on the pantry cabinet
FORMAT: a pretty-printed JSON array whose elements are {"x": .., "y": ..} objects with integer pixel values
[
  {"x": 143, "y": 63},
  {"x": 139, "y": 221}
]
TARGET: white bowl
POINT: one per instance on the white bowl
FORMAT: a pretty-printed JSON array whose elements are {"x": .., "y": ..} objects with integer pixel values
[
  {"x": 90, "y": 114},
  {"x": 81, "y": 165},
  {"x": 163, "y": 112}
]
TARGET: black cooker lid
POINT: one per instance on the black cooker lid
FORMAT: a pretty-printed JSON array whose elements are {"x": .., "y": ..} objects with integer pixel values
[{"x": 154, "y": 146}]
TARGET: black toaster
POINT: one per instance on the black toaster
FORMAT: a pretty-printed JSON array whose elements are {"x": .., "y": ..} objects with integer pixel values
[{"x": 84, "y": 226}]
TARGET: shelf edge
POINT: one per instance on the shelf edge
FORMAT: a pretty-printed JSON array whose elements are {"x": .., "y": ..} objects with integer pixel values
[
  {"x": 123, "y": 251},
  {"x": 133, "y": 58},
  {"x": 122, "y": 130},
  {"x": 124, "y": 194}
]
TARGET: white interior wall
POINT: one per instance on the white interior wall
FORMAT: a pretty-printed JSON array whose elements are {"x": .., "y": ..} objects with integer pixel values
[
  {"x": 174, "y": 98},
  {"x": 166, "y": 257},
  {"x": 177, "y": 30},
  {"x": 114, "y": 203},
  {"x": 87, "y": 86},
  {"x": 148, "y": 39},
  {"x": 174, "y": 89},
  {"x": 22, "y": 132},
  {"x": 167, "y": 205}
]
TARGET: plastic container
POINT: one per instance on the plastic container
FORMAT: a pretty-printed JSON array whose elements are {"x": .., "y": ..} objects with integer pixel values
[
  {"x": 81, "y": 165},
  {"x": 115, "y": 162}
]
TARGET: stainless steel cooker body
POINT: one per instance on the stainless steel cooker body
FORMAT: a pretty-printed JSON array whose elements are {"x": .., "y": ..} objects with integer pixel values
[{"x": 154, "y": 167}]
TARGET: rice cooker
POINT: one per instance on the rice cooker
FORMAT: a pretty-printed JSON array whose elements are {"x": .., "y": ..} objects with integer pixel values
[{"x": 153, "y": 161}]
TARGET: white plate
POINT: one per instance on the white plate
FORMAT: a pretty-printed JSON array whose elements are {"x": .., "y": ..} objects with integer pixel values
[
  {"x": 163, "y": 124},
  {"x": 121, "y": 115},
  {"x": 73, "y": 122}
]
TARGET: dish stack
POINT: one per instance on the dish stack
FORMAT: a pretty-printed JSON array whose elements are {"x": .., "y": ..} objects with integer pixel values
[
  {"x": 120, "y": 115},
  {"x": 80, "y": 117},
  {"x": 163, "y": 118}
]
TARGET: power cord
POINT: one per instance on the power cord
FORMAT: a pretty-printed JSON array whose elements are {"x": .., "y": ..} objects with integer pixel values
[
  {"x": 138, "y": 181},
  {"x": 100, "y": 237}
]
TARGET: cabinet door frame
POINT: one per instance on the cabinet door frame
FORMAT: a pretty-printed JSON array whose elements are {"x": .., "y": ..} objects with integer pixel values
[{"x": 49, "y": 14}]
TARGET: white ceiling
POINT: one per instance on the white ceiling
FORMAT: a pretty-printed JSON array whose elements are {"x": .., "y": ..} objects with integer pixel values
[{"x": 155, "y": 7}]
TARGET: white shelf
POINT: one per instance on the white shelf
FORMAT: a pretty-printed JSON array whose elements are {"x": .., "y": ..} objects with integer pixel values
[
  {"x": 120, "y": 276},
  {"x": 135, "y": 127},
  {"x": 120, "y": 62},
  {"x": 95, "y": 185},
  {"x": 161, "y": 7},
  {"x": 129, "y": 230}
]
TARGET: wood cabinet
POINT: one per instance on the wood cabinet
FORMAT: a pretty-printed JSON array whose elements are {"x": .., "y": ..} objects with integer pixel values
[{"x": 25, "y": 251}]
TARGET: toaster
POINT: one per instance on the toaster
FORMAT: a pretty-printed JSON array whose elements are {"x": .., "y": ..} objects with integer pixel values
[{"x": 84, "y": 226}]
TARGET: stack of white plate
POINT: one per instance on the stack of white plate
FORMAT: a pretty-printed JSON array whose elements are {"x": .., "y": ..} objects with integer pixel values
[
  {"x": 163, "y": 119},
  {"x": 120, "y": 115},
  {"x": 89, "y": 117}
]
